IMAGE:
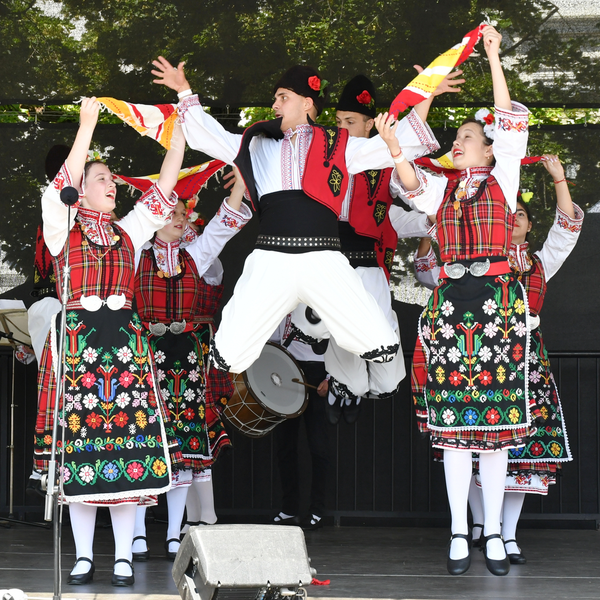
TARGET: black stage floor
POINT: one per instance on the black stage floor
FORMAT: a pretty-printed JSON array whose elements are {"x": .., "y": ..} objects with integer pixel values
[{"x": 360, "y": 562}]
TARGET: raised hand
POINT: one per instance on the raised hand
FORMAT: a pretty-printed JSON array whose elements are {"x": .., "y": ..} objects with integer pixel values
[
  {"x": 491, "y": 40},
  {"x": 448, "y": 84},
  {"x": 553, "y": 165},
  {"x": 167, "y": 74},
  {"x": 88, "y": 113},
  {"x": 386, "y": 125}
]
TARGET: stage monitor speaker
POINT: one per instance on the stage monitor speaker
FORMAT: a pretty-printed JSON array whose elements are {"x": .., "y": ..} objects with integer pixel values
[{"x": 242, "y": 562}]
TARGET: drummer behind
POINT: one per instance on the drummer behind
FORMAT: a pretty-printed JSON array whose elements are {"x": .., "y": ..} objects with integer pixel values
[{"x": 317, "y": 432}]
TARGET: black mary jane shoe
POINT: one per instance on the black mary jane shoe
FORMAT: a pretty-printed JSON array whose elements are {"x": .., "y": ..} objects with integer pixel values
[
  {"x": 82, "y": 578},
  {"x": 495, "y": 566},
  {"x": 476, "y": 543},
  {"x": 460, "y": 565},
  {"x": 123, "y": 580},
  {"x": 141, "y": 556},
  {"x": 171, "y": 555},
  {"x": 515, "y": 559}
]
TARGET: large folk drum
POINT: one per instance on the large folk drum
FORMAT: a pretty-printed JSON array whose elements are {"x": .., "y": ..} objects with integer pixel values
[{"x": 266, "y": 393}]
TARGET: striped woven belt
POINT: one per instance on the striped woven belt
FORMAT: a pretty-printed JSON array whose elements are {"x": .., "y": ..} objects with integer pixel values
[{"x": 298, "y": 242}]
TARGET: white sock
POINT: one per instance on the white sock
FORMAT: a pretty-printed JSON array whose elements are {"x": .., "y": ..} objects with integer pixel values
[
  {"x": 458, "y": 465},
  {"x": 176, "y": 505},
  {"x": 193, "y": 510},
  {"x": 476, "y": 506},
  {"x": 204, "y": 491},
  {"x": 513, "y": 504},
  {"x": 492, "y": 471},
  {"x": 123, "y": 518},
  {"x": 331, "y": 399},
  {"x": 140, "y": 530},
  {"x": 83, "y": 524}
]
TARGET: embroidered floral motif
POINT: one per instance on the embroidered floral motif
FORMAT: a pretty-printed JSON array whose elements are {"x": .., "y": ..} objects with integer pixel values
[
  {"x": 185, "y": 104},
  {"x": 157, "y": 203}
]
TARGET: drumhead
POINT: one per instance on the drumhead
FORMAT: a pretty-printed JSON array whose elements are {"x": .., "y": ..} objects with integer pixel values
[{"x": 270, "y": 380}]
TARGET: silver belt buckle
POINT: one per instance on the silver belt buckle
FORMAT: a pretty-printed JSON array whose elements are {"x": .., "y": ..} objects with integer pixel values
[
  {"x": 457, "y": 270},
  {"x": 177, "y": 327},
  {"x": 479, "y": 269},
  {"x": 157, "y": 328}
]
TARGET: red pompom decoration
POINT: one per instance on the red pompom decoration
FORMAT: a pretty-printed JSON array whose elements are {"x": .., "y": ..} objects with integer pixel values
[
  {"x": 314, "y": 83},
  {"x": 489, "y": 118},
  {"x": 364, "y": 97}
]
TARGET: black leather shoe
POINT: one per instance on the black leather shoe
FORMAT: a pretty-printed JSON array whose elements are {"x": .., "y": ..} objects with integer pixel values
[
  {"x": 123, "y": 580},
  {"x": 334, "y": 411},
  {"x": 515, "y": 559},
  {"x": 351, "y": 411},
  {"x": 311, "y": 522},
  {"x": 278, "y": 520},
  {"x": 495, "y": 566},
  {"x": 459, "y": 566},
  {"x": 82, "y": 578},
  {"x": 141, "y": 556},
  {"x": 476, "y": 543},
  {"x": 34, "y": 487},
  {"x": 171, "y": 555}
]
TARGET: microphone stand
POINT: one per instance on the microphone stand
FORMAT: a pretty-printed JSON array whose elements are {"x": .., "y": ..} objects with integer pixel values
[{"x": 53, "y": 509}]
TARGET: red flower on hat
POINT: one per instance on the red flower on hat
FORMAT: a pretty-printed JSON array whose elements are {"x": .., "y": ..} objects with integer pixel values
[
  {"x": 314, "y": 83},
  {"x": 489, "y": 118},
  {"x": 364, "y": 97}
]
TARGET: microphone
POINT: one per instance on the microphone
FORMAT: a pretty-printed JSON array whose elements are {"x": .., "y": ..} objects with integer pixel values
[{"x": 69, "y": 195}]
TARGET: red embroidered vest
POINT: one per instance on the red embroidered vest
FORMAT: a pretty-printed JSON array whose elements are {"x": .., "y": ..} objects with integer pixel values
[
  {"x": 167, "y": 299},
  {"x": 325, "y": 176},
  {"x": 369, "y": 207},
  {"x": 483, "y": 229}
]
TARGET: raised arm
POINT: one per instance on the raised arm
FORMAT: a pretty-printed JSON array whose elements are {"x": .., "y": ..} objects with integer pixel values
[
  {"x": 169, "y": 171},
  {"x": 387, "y": 130},
  {"x": 563, "y": 197},
  {"x": 202, "y": 131},
  {"x": 88, "y": 117},
  {"x": 491, "y": 44}
]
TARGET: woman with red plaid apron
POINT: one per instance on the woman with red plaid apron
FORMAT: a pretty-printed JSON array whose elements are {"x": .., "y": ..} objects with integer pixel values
[
  {"x": 470, "y": 368},
  {"x": 533, "y": 467},
  {"x": 114, "y": 436},
  {"x": 178, "y": 290}
]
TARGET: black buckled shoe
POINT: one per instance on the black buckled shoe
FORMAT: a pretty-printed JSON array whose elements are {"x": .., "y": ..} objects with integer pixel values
[
  {"x": 141, "y": 556},
  {"x": 82, "y": 578},
  {"x": 459, "y": 566},
  {"x": 334, "y": 411},
  {"x": 123, "y": 580},
  {"x": 515, "y": 559},
  {"x": 171, "y": 555},
  {"x": 495, "y": 566}
]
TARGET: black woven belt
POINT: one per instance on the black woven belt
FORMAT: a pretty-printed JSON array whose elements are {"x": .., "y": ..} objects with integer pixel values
[
  {"x": 277, "y": 241},
  {"x": 360, "y": 255}
]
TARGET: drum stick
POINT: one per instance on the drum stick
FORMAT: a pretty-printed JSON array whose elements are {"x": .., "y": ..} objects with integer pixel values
[{"x": 308, "y": 385}]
